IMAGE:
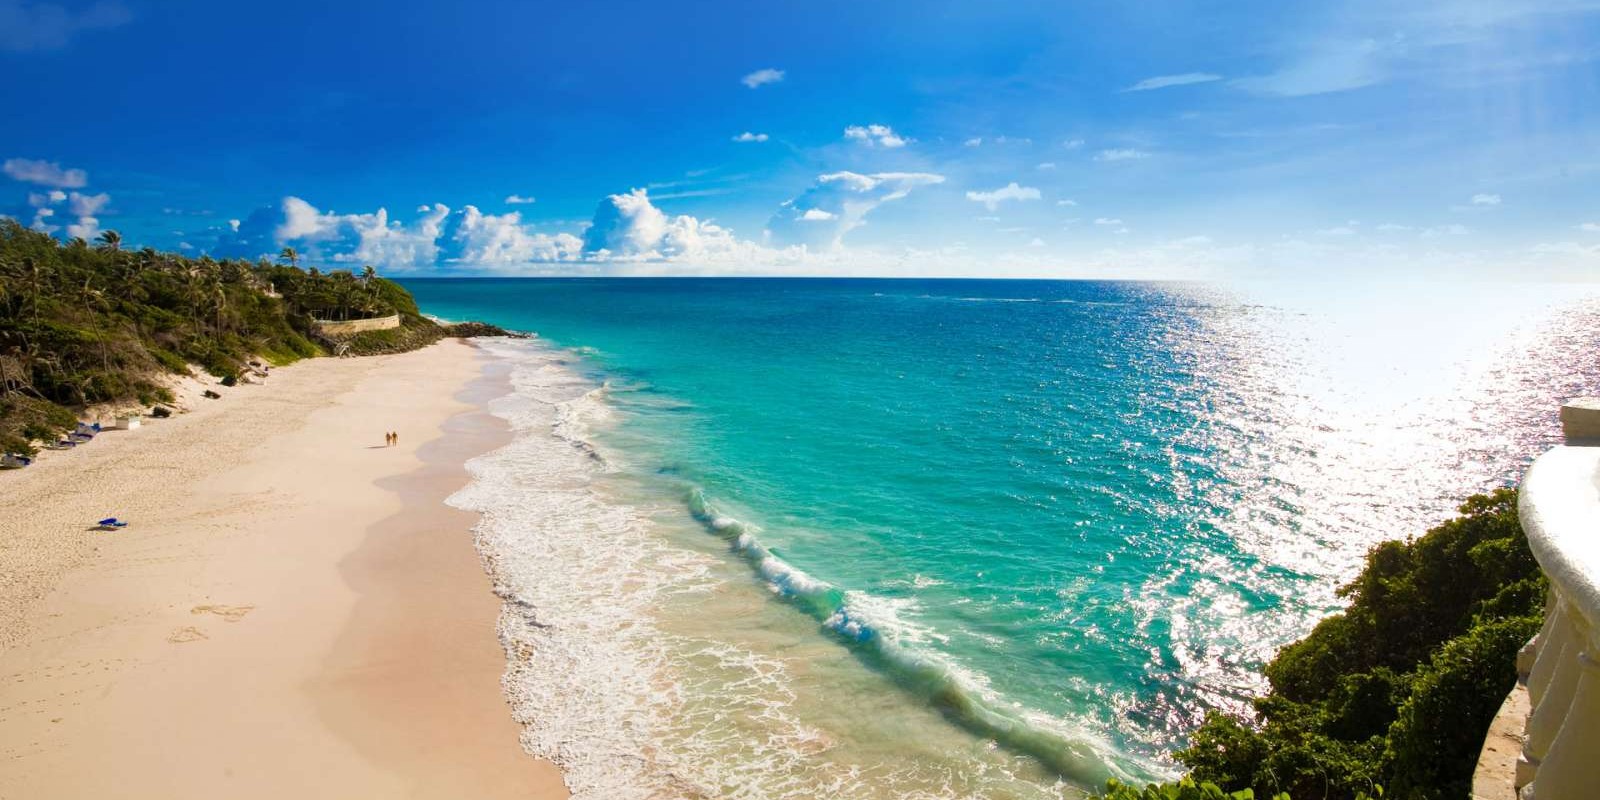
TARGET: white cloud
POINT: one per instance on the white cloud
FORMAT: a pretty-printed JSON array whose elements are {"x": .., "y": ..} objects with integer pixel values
[
  {"x": 42, "y": 199},
  {"x": 1072, "y": 144},
  {"x": 1037, "y": 242},
  {"x": 1107, "y": 221},
  {"x": 498, "y": 241},
  {"x": 35, "y": 27},
  {"x": 45, "y": 173},
  {"x": 1390, "y": 226},
  {"x": 1591, "y": 227},
  {"x": 1122, "y": 154},
  {"x": 1486, "y": 199},
  {"x": 1047, "y": 165},
  {"x": 41, "y": 221},
  {"x": 1164, "y": 81},
  {"x": 628, "y": 227},
  {"x": 85, "y": 227},
  {"x": 974, "y": 141},
  {"x": 879, "y": 134},
  {"x": 1338, "y": 230},
  {"x": 87, "y": 205},
  {"x": 233, "y": 224},
  {"x": 848, "y": 197},
  {"x": 762, "y": 77},
  {"x": 747, "y": 136},
  {"x": 992, "y": 199},
  {"x": 511, "y": 200},
  {"x": 1066, "y": 202},
  {"x": 1326, "y": 66}
]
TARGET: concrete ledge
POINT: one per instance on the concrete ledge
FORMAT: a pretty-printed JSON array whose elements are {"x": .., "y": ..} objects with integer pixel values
[{"x": 1495, "y": 777}]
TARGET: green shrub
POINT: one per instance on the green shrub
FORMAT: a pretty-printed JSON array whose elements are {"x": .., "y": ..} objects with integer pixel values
[
  {"x": 1185, "y": 789},
  {"x": 1441, "y": 726}
]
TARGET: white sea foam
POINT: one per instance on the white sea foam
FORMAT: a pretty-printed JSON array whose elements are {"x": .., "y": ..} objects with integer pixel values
[{"x": 625, "y": 708}]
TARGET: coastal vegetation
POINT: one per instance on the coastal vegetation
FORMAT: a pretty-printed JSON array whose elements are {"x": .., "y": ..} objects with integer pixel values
[
  {"x": 86, "y": 323},
  {"x": 1397, "y": 691}
]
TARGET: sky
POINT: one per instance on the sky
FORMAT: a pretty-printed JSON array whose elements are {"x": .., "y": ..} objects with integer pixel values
[{"x": 1455, "y": 139}]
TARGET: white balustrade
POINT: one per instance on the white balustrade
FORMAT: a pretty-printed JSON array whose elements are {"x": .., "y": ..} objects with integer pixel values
[{"x": 1560, "y": 510}]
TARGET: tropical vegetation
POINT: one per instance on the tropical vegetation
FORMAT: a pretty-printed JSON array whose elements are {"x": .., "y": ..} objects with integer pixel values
[
  {"x": 83, "y": 324},
  {"x": 1399, "y": 689}
]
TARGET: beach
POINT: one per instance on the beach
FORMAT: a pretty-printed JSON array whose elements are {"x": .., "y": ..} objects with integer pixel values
[{"x": 293, "y": 610}]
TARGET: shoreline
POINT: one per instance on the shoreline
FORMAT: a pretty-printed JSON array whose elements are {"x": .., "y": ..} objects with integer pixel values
[{"x": 294, "y": 611}]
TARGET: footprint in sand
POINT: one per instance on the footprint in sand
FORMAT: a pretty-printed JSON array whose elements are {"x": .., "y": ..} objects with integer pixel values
[
  {"x": 186, "y": 634},
  {"x": 229, "y": 613}
]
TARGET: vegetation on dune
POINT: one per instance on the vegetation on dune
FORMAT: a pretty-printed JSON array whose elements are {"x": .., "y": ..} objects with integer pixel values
[
  {"x": 1397, "y": 691},
  {"x": 82, "y": 324}
]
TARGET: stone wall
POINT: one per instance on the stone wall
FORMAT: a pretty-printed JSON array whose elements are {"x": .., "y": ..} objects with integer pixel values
[{"x": 355, "y": 326}]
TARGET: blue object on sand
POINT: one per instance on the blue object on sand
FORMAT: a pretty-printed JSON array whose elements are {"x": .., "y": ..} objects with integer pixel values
[{"x": 112, "y": 522}]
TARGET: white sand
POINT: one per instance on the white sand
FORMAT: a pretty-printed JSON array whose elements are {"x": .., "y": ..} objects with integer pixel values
[{"x": 292, "y": 613}]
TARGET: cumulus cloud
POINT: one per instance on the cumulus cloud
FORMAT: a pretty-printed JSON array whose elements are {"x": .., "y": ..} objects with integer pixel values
[
  {"x": 1164, "y": 81},
  {"x": 1011, "y": 191},
  {"x": 87, "y": 205},
  {"x": 44, "y": 173},
  {"x": 628, "y": 227},
  {"x": 41, "y": 221},
  {"x": 85, "y": 227},
  {"x": 511, "y": 200},
  {"x": 762, "y": 77},
  {"x": 748, "y": 136},
  {"x": 875, "y": 134},
  {"x": 1486, "y": 199},
  {"x": 846, "y": 198},
  {"x": 497, "y": 241},
  {"x": 41, "y": 199},
  {"x": 35, "y": 27},
  {"x": 1120, "y": 154},
  {"x": 329, "y": 237}
]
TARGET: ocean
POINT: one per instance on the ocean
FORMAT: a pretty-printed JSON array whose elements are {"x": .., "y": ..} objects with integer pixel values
[{"x": 768, "y": 538}]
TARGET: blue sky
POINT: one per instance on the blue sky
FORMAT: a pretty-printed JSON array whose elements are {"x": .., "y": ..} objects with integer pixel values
[{"x": 1453, "y": 138}]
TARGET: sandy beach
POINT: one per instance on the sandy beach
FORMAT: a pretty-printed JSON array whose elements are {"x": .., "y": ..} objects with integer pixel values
[{"x": 293, "y": 611}]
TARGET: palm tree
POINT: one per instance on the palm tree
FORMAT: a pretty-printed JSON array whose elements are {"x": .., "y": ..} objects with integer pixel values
[
  {"x": 289, "y": 256},
  {"x": 109, "y": 240}
]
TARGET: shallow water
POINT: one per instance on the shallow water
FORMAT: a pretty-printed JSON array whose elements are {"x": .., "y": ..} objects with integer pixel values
[{"x": 769, "y": 538}]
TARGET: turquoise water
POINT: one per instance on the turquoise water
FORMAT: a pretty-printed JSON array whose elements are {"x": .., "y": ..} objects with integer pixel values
[{"x": 1057, "y": 521}]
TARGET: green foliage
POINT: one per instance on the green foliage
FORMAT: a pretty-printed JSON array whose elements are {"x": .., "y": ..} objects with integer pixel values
[
  {"x": 1185, "y": 789},
  {"x": 82, "y": 325},
  {"x": 1464, "y": 683},
  {"x": 1400, "y": 688}
]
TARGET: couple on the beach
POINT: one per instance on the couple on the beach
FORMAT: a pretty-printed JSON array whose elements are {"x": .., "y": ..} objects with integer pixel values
[{"x": 391, "y": 439}]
